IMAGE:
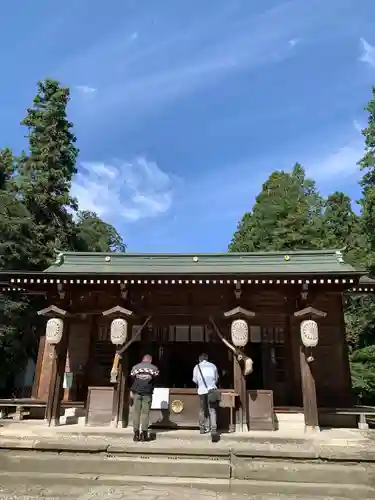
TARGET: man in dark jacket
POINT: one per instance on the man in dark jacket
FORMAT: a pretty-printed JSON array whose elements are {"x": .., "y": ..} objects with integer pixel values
[{"x": 143, "y": 374}]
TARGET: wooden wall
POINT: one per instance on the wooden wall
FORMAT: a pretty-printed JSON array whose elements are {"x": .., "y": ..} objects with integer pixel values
[{"x": 192, "y": 304}]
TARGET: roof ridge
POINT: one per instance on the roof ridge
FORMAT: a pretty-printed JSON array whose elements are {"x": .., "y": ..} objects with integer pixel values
[{"x": 332, "y": 251}]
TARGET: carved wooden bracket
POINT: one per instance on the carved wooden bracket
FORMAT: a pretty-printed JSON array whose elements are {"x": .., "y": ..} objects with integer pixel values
[
  {"x": 118, "y": 311},
  {"x": 53, "y": 311},
  {"x": 239, "y": 312},
  {"x": 310, "y": 312}
]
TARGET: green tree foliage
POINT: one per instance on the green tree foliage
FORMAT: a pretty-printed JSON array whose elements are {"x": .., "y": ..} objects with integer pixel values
[
  {"x": 287, "y": 215},
  {"x": 343, "y": 229},
  {"x": 367, "y": 164},
  {"x": 45, "y": 174},
  {"x": 39, "y": 216},
  {"x": 95, "y": 235},
  {"x": 360, "y": 311},
  {"x": 16, "y": 239}
]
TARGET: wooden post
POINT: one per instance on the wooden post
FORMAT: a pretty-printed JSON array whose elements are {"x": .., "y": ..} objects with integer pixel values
[
  {"x": 239, "y": 385},
  {"x": 310, "y": 406},
  {"x": 56, "y": 387},
  {"x": 120, "y": 383},
  {"x": 38, "y": 368},
  {"x": 59, "y": 352},
  {"x": 118, "y": 389}
]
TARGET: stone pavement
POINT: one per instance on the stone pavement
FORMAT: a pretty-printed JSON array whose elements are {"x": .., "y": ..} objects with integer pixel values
[{"x": 138, "y": 492}]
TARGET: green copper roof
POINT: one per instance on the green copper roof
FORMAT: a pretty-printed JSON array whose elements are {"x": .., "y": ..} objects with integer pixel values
[{"x": 254, "y": 263}]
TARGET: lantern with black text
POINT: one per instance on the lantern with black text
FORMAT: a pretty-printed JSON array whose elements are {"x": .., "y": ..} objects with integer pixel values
[
  {"x": 54, "y": 330},
  {"x": 119, "y": 331},
  {"x": 239, "y": 332}
]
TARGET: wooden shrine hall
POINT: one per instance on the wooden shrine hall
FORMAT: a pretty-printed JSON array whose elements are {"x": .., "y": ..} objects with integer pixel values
[{"x": 272, "y": 323}]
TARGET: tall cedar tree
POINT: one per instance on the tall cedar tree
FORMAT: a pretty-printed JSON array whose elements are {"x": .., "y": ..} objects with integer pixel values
[
  {"x": 45, "y": 174},
  {"x": 36, "y": 217},
  {"x": 287, "y": 215},
  {"x": 360, "y": 312},
  {"x": 16, "y": 242},
  {"x": 95, "y": 235},
  {"x": 367, "y": 164},
  {"x": 343, "y": 229}
]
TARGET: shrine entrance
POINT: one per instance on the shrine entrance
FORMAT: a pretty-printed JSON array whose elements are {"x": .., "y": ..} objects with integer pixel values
[{"x": 175, "y": 350}]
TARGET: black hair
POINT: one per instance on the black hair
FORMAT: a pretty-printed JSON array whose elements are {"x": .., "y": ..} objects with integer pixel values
[{"x": 203, "y": 357}]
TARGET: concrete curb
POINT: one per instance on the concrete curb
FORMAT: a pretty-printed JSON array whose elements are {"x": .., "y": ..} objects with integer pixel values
[
  {"x": 312, "y": 452},
  {"x": 281, "y": 489}
]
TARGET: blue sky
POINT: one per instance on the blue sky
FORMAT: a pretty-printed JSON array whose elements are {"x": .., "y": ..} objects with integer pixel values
[{"x": 182, "y": 108}]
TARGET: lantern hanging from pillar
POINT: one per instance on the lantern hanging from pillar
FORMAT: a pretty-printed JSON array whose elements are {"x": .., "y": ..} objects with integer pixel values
[
  {"x": 119, "y": 331},
  {"x": 54, "y": 330},
  {"x": 239, "y": 332},
  {"x": 309, "y": 333}
]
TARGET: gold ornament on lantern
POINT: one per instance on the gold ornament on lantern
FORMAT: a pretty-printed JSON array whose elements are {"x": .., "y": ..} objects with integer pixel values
[
  {"x": 119, "y": 331},
  {"x": 239, "y": 332},
  {"x": 54, "y": 330},
  {"x": 309, "y": 333}
]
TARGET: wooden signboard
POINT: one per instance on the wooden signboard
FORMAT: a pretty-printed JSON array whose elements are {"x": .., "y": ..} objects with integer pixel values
[
  {"x": 261, "y": 411},
  {"x": 99, "y": 406}
]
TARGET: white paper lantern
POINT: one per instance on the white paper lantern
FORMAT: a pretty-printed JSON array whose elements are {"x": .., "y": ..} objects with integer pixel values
[
  {"x": 54, "y": 330},
  {"x": 240, "y": 332},
  {"x": 119, "y": 331},
  {"x": 309, "y": 333}
]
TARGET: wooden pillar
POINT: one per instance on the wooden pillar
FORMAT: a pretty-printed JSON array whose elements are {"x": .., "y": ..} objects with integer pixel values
[
  {"x": 59, "y": 351},
  {"x": 119, "y": 394},
  {"x": 310, "y": 406},
  {"x": 56, "y": 391},
  {"x": 239, "y": 385},
  {"x": 119, "y": 312},
  {"x": 39, "y": 365}
]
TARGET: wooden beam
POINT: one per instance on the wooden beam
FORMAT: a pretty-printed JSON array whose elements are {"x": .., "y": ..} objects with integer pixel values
[
  {"x": 310, "y": 312},
  {"x": 53, "y": 311},
  {"x": 239, "y": 311},
  {"x": 118, "y": 311}
]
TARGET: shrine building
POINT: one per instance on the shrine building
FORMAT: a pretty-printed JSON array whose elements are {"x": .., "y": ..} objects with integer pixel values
[{"x": 281, "y": 312}]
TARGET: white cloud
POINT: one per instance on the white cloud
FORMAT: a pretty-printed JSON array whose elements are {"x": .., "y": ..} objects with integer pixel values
[
  {"x": 368, "y": 53},
  {"x": 293, "y": 42},
  {"x": 85, "y": 89},
  {"x": 340, "y": 162},
  {"x": 180, "y": 60},
  {"x": 121, "y": 190},
  {"x": 358, "y": 126}
]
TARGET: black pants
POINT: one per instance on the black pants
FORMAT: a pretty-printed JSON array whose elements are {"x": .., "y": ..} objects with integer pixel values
[{"x": 207, "y": 414}]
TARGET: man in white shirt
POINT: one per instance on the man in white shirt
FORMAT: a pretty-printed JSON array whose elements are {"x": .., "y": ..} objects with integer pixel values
[{"x": 205, "y": 376}]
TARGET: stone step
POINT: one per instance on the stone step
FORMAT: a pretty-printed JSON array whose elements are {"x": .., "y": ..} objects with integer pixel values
[
  {"x": 72, "y": 486},
  {"x": 186, "y": 463}
]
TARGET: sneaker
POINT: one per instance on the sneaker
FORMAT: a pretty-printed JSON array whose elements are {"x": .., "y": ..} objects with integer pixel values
[
  {"x": 136, "y": 436},
  {"x": 215, "y": 437},
  {"x": 144, "y": 436}
]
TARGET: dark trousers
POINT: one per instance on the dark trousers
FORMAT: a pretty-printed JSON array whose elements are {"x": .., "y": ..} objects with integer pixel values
[
  {"x": 207, "y": 414},
  {"x": 141, "y": 411}
]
